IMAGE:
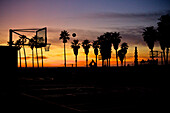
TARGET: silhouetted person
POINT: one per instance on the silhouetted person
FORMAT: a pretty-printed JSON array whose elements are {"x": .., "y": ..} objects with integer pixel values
[{"x": 93, "y": 63}]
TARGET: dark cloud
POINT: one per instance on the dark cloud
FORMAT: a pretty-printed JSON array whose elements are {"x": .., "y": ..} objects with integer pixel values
[
  {"x": 86, "y": 34},
  {"x": 133, "y": 35},
  {"x": 130, "y": 34},
  {"x": 142, "y": 16},
  {"x": 54, "y": 34}
]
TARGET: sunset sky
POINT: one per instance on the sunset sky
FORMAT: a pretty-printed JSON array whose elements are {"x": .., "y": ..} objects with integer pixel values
[{"x": 88, "y": 19}]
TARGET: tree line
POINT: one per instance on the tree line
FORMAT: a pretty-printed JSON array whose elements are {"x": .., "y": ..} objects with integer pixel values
[
  {"x": 34, "y": 42},
  {"x": 160, "y": 34},
  {"x": 103, "y": 44}
]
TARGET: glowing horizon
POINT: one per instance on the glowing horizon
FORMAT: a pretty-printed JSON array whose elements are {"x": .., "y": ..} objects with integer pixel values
[
  {"x": 88, "y": 19},
  {"x": 55, "y": 57}
]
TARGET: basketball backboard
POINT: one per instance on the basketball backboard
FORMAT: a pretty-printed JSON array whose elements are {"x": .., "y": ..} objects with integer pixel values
[{"x": 40, "y": 35}]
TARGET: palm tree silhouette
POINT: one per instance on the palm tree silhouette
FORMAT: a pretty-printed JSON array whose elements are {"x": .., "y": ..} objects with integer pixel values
[
  {"x": 42, "y": 57},
  {"x": 122, "y": 52},
  {"x": 64, "y": 36},
  {"x": 19, "y": 46},
  {"x": 150, "y": 36},
  {"x": 108, "y": 42},
  {"x": 86, "y": 46},
  {"x": 76, "y": 46},
  {"x": 23, "y": 41},
  {"x": 95, "y": 47},
  {"x": 164, "y": 31},
  {"x": 124, "y": 47},
  {"x": 121, "y": 56},
  {"x": 116, "y": 39},
  {"x": 100, "y": 41},
  {"x": 40, "y": 41},
  {"x": 104, "y": 48},
  {"x": 162, "y": 44},
  {"x": 32, "y": 45},
  {"x": 36, "y": 46}
]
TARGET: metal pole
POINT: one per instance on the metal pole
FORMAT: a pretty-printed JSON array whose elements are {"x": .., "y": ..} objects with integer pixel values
[
  {"x": 37, "y": 58},
  {"x": 10, "y": 37},
  {"x": 42, "y": 56}
]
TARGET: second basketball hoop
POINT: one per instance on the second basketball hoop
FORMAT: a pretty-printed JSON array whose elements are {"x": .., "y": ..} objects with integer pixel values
[{"x": 47, "y": 47}]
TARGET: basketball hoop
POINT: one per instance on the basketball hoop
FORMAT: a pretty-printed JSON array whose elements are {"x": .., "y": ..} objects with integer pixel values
[
  {"x": 155, "y": 54},
  {"x": 47, "y": 47}
]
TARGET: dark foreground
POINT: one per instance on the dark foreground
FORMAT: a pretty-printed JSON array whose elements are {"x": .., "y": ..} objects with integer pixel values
[{"x": 124, "y": 89}]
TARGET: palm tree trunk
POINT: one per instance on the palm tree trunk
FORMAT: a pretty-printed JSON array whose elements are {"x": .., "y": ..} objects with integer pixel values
[
  {"x": 42, "y": 57},
  {"x": 64, "y": 55},
  {"x": 32, "y": 58},
  {"x": 164, "y": 56},
  {"x": 167, "y": 51},
  {"x": 96, "y": 60},
  {"x": 122, "y": 63},
  {"x": 161, "y": 58},
  {"x": 76, "y": 60},
  {"x": 117, "y": 58},
  {"x": 125, "y": 61},
  {"x": 86, "y": 60},
  {"x": 20, "y": 57},
  {"x": 37, "y": 58},
  {"x": 25, "y": 57},
  {"x": 152, "y": 54},
  {"x": 107, "y": 62}
]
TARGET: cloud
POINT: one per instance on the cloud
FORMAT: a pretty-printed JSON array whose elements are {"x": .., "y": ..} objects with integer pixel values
[
  {"x": 114, "y": 15},
  {"x": 86, "y": 34},
  {"x": 54, "y": 34},
  {"x": 130, "y": 34}
]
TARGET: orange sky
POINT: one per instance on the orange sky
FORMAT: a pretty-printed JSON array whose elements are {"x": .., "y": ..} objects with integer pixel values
[
  {"x": 55, "y": 57},
  {"x": 88, "y": 19}
]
